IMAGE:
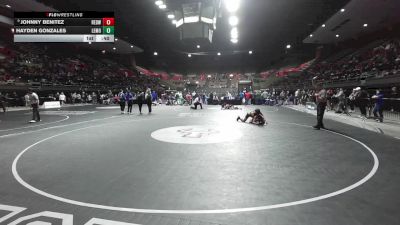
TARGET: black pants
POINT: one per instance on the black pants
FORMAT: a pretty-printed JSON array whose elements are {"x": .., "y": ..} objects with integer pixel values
[
  {"x": 130, "y": 104},
  {"x": 196, "y": 104},
  {"x": 351, "y": 104},
  {"x": 122, "y": 105},
  {"x": 341, "y": 107},
  {"x": 320, "y": 114},
  {"x": 378, "y": 109},
  {"x": 35, "y": 112},
  {"x": 140, "y": 104},
  {"x": 363, "y": 109},
  {"x": 149, "y": 105}
]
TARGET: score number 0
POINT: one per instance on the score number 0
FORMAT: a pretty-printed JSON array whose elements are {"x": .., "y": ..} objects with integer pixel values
[
  {"x": 108, "y": 25},
  {"x": 108, "y": 21}
]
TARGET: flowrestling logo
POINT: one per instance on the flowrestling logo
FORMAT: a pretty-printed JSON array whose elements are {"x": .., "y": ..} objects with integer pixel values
[
  {"x": 191, "y": 132},
  {"x": 12, "y": 214},
  {"x": 197, "y": 134}
]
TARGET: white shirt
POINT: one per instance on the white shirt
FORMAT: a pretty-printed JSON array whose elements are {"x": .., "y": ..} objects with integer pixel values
[
  {"x": 34, "y": 98},
  {"x": 321, "y": 96},
  {"x": 62, "y": 97}
]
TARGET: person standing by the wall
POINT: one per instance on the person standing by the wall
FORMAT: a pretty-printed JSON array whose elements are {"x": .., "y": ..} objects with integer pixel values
[
  {"x": 154, "y": 97},
  {"x": 140, "y": 100},
  {"x": 148, "y": 99},
  {"x": 121, "y": 99},
  {"x": 129, "y": 99},
  {"x": 378, "y": 108},
  {"x": 341, "y": 108},
  {"x": 320, "y": 95},
  {"x": 248, "y": 96},
  {"x": 34, "y": 100},
  {"x": 26, "y": 99},
  {"x": 62, "y": 98},
  {"x": 362, "y": 100}
]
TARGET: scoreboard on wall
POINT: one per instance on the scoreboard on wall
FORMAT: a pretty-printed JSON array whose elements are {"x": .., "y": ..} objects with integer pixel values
[{"x": 64, "y": 27}]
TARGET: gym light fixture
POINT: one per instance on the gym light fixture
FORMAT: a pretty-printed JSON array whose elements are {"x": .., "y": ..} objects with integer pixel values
[
  {"x": 232, "y": 5},
  {"x": 234, "y": 33},
  {"x": 233, "y": 20}
]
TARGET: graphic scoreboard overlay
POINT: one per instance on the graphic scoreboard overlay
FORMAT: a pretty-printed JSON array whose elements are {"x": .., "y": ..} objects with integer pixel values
[{"x": 64, "y": 26}]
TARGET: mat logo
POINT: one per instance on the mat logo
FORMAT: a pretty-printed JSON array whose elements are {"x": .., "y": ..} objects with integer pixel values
[
  {"x": 37, "y": 218},
  {"x": 196, "y": 132}
]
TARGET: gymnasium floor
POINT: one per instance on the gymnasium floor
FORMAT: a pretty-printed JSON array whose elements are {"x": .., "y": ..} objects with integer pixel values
[{"x": 183, "y": 167}]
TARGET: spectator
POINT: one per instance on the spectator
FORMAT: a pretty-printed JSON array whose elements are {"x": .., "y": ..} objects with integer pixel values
[
  {"x": 62, "y": 98},
  {"x": 321, "y": 103},
  {"x": 121, "y": 100},
  {"x": 352, "y": 99},
  {"x": 248, "y": 96},
  {"x": 148, "y": 99},
  {"x": 154, "y": 96},
  {"x": 129, "y": 99},
  {"x": 362, "y": 99},
  {"x": 341, "y": 97},
  {"x": 26, "y": 100},
  {"x": 378, "y": 108}
]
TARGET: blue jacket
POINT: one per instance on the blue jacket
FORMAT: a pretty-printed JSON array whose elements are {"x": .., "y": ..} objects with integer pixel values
[{"x": 129, "y": 96}]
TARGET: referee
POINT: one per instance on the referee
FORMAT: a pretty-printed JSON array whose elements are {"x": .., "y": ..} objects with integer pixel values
[{"x": 321, "y": 97}]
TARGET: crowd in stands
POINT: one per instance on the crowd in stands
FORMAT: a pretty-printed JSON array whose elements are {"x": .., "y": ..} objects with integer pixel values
[
  {"x": 29, "y": 64},
  {"x": 379, "y": 59}
]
